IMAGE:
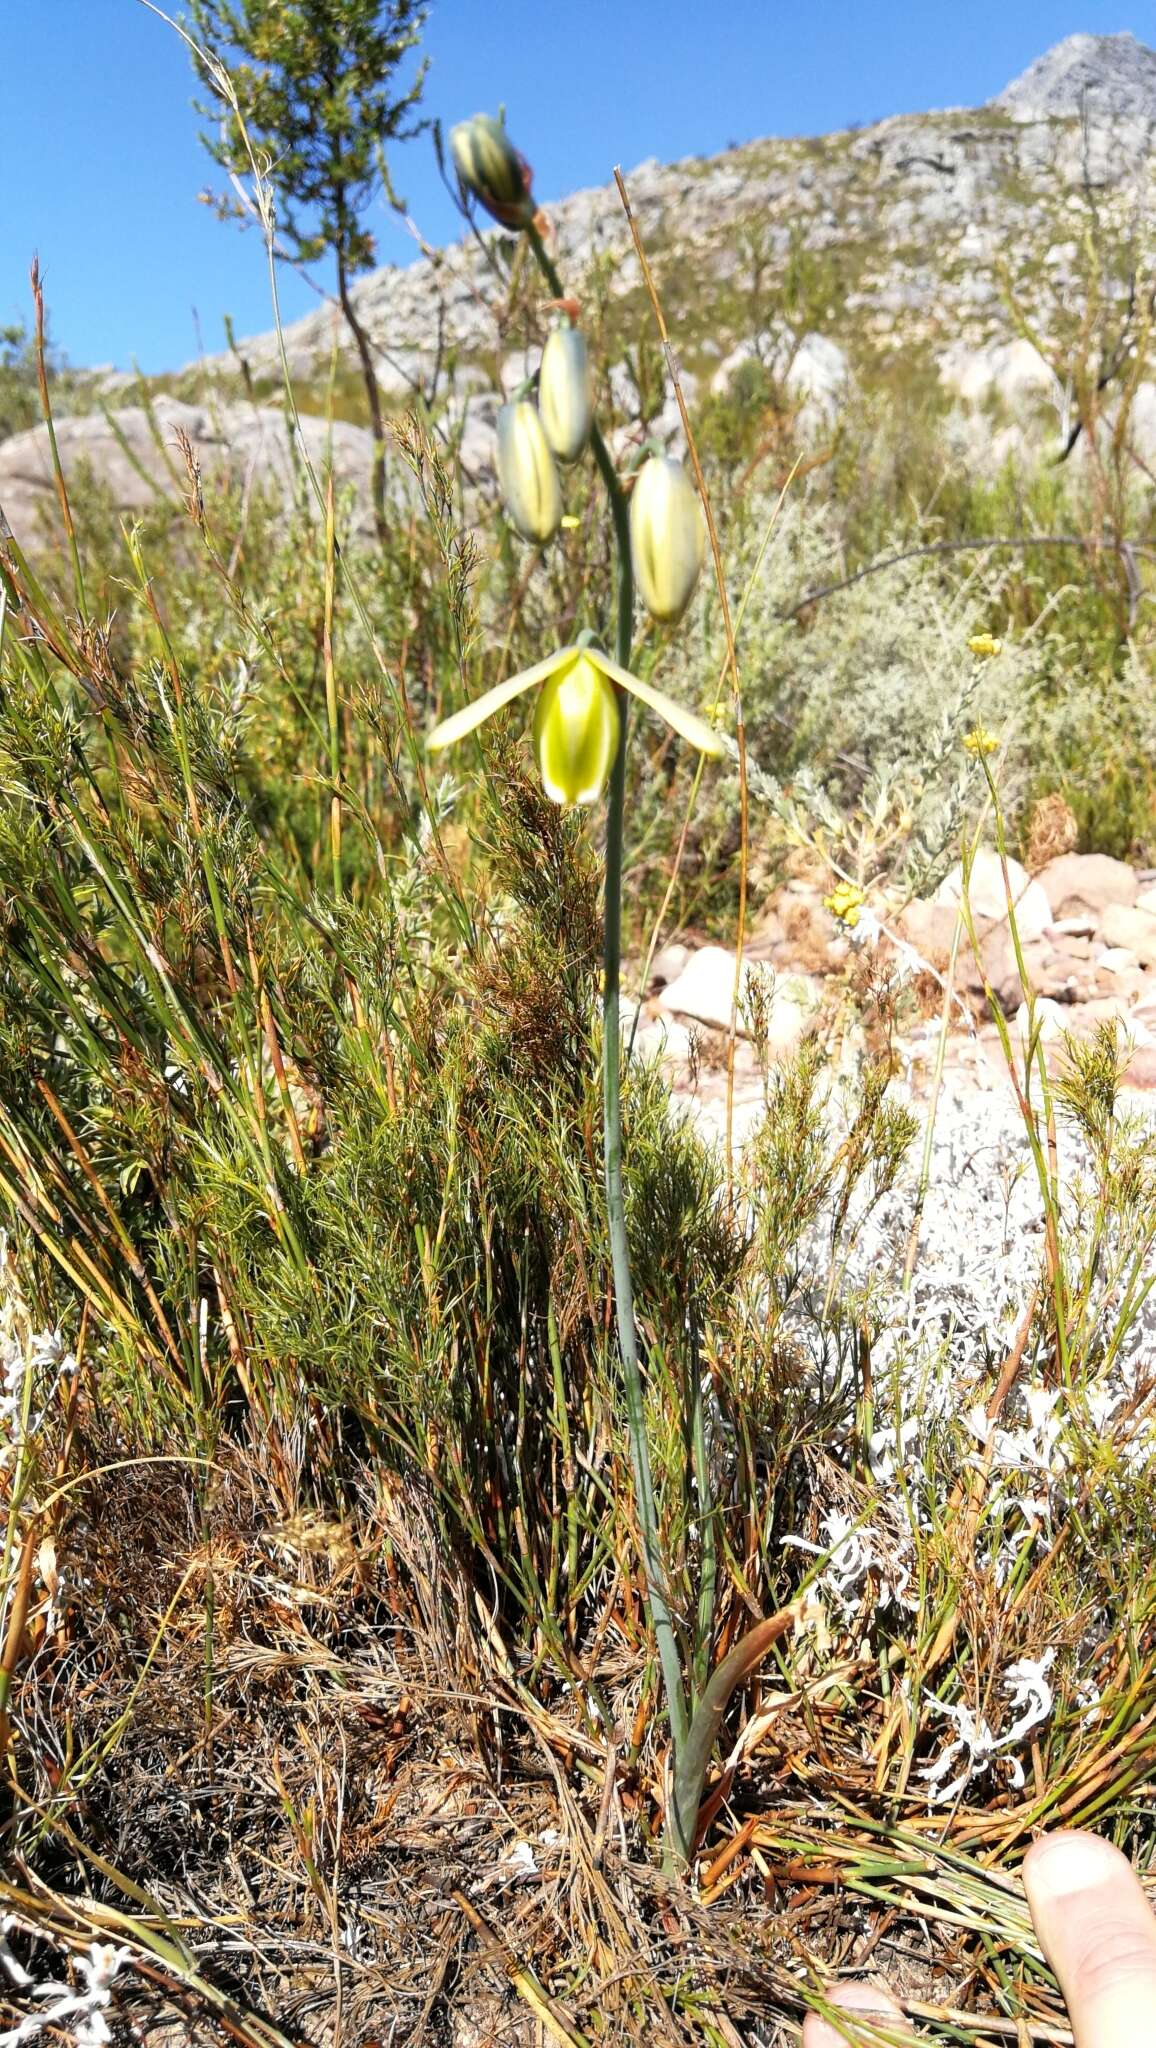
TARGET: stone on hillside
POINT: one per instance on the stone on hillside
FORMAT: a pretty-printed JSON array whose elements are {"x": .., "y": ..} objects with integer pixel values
[
  {"x": 138, "y": 462},
  {"x": 663, "y": 1038},
  {"x": 1142, "y": 422},
  {"x": 813, "y": 370},
  {"x": 1083, "y": 884},
  {"x": 1068, "y": 967},
  {"x": 1084, "y": 1019},
  {"x": 1009, "y": 370},
  {"x": 988, "y": 893},
  {"x": 1126, "y": 927},
  {"x": 705, "y": 989},
  {"x": 1050, "y": 1021},
  {"x": 668, "y": 964},
  {"x": 1001, "y": 967},
  {"x": 477, "y": 437},
  {"x": 929, "y": 928},
  {"x": 1141, "y": 1069},
  {"x": 818, "y": 377}
]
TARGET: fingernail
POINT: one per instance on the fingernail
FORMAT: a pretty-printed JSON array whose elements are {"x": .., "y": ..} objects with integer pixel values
[{"x": 1066, "y": 1863}]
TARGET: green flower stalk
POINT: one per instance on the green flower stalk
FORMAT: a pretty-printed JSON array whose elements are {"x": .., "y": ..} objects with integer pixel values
[
  {"x": 527, "y": 474},
  {"x": 580, "y": 736},
  {"x": 566, "y": 393}
]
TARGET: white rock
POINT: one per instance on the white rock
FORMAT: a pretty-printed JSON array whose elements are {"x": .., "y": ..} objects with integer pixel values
[
  {"x": 250, "y": 447},
  {"x": 668, "y": 962},
  {"x": 1109, "y": 75},
  {"x": 663, "y": 1038},
  {"x": 818, "y": 373},
  {"x": 1011, "y": 370},
  {"x": 705, "y": 988},
  {"x": 814, "y": 371},
  {"x": 1051, "y": 1021},
  {"x": 1127, "y": 926},
  {"x": 1142, "y": 421},
  {"x": 1083, "y": 884},
  {"x": 988, "y": 893}
]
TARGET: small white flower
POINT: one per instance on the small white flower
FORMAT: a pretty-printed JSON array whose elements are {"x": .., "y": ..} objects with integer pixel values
[
  {"x": 84, "y": 2011},
  {"x": 1031, "y": 1694},
  {"x": 855, "y": 1554},
  {"x": 976, "y": 1742},
  {"x": 1101, "y": 1403},
  {"x": 888, "y": 1449}
]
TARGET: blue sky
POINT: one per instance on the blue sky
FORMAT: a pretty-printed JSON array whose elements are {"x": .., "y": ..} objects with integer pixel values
[{"x": 102, "y": 165}]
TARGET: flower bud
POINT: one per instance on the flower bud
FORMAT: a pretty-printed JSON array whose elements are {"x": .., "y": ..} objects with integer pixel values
[
  {"x": 566, "y": 393},
  {"x": 576, "y": 731},
  {"x": 526, "y": 472},
  {"x": 667, "y": 541},
  {"x": 491, "y": 168}
]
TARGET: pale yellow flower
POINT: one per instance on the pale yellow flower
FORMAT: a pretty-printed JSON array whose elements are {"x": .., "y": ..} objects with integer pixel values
[
  {"x": 527, "y": 474},
  {"x": 491, "y": 168},
  {"x": 577, "y": 723},
  {"x": 566, "y": 393},
  {"x": 667, "y": 537}
]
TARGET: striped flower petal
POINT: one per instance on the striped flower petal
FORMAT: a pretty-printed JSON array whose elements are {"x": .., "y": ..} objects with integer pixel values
[
  {"x": 688, "y": 723},
  {"x": 472, "y": 715}
]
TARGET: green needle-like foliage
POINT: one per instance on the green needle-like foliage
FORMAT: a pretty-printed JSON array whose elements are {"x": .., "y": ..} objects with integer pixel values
[{"x": 321, "y": 93}]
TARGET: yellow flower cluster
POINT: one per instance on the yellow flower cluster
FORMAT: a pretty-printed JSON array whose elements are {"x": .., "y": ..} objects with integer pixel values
[{"x": 845, "y": 902}]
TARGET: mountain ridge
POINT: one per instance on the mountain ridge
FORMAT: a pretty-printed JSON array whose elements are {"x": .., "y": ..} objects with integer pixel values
[
  {"x": 912, "y": 257},
  {"x": 1115, "y": 73},
  {"x": 913, "y": 231}
]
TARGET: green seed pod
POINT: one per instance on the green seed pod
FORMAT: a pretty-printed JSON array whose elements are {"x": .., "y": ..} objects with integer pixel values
[
  {"x": 491, "y": 168},
  {"x": 527, "y": 474},
  {"x": 566, "y": 393},
  {"x": 576, "y": 729},
  {"x": 667, "y": 539}
]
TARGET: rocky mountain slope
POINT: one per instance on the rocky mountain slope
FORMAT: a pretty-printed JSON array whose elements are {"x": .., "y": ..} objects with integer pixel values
[
  {"x": 1115, "y": 76},
  {"x": 908, "y": 253},
  {"x": 905, "y": 235}
]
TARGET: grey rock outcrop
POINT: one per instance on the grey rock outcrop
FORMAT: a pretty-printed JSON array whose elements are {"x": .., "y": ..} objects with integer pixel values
[
  {"x": 912, "y": 228},
  {"x": 137, "y": 461},
  {"x": 1114, "y": 77},
  {"x": 921, "y": 210}
]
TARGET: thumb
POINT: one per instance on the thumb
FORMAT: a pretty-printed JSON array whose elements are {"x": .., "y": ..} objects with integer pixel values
[
  {"x": 1099, "y": 1935},
  {"x": 884, "y": 2019}
]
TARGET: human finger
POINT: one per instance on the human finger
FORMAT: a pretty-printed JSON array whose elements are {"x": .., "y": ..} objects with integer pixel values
[
  {"x": 869, "y": 2000},
  {"x": 1099, "y": 1935}
]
